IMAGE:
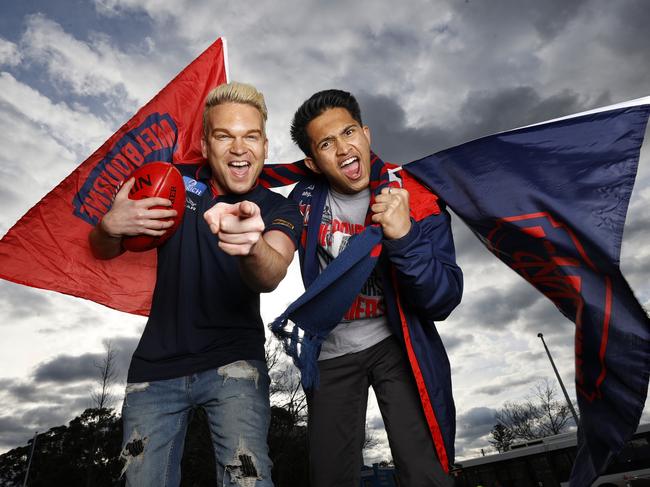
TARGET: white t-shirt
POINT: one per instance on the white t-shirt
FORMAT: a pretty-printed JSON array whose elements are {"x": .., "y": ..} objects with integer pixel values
[{"x": 364, "y": 324}]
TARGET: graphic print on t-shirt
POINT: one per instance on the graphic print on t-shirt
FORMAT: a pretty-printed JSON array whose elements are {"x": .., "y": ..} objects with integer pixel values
[{"x": 333, "y": 237}]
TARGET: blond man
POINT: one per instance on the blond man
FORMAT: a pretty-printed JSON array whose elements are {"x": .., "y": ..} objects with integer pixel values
[{"x": 203, "y": 345}]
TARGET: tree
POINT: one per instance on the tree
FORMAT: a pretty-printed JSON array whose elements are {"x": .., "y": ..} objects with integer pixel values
[
  {"x": 87, "y": 451},
  {"x": 107, "y": 374},
  {"x": 287, "y": 436},
  {"x": 519, "y": 419},
  {"x": 61, "y": 454},
  {"x": 502, "y": 438},
  {"x": 539, "y": 416},
  {"x": 198, "y": 465},
  {"x": 371, "y": 440},
  {"x": 288, "y": 431},
  {"x": 102, "y": 398},
  {"x": 288, "y": 449},
  {"x": 285, "y": 390},
  {"x": 554, "y": 415}
]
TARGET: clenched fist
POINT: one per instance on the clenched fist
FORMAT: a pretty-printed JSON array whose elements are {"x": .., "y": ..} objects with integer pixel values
[{"x": 391, "y": 211}]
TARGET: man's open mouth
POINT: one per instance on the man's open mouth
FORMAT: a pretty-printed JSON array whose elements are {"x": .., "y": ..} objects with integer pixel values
[
  {"x": 239, "y": 168},
  {"x": 351, "y": 167}
]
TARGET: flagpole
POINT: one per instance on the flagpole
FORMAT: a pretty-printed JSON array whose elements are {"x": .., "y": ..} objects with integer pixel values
[
  {"x": 31, "y": 455},
  {"x": 559, "y": 379}
]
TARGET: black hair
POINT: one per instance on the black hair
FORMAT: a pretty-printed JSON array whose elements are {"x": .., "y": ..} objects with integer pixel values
[{"x": 315, "y": 106}]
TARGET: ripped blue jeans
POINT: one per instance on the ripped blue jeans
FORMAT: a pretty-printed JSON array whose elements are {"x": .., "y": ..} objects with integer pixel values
[{"x": 155, "y": 416}]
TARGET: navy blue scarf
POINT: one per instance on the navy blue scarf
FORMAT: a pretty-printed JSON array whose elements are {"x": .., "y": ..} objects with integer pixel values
[{"x": 305, "y": 324}]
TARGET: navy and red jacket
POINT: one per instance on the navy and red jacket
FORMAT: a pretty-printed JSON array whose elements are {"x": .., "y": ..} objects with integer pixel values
[{"x": 422, "y": 284}]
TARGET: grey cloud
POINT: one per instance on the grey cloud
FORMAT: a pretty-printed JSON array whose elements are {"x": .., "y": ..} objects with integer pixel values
[
  {"x": 9, "y": 424},
  {"x": 391, "y": 37},
  {"x": 495, "y": 389},
  {"x": 83, "y": 402},
  {"x": 73, "y": 391},
  {"x": 392, "y": 139},
  {"x": 469, "y": 248},
  {"x": 536, "y": 356},
  {"x": 645, "y": 418},
  {"x": 49, "y": 330},
  {"x": 376, "y": 422},
  {"x": 68, "y": 368},
  {"x": 123, "y": 344},
  {"x": 38, "y": 407},
  {"x": 84, "y": 318},
  {"x": 544, "y": 317},
  {"x": 18, "y": 428},
  {"x": 636, "y": 231},
  {"x": 10, "y": 197},
  {"x": 629, "y": 34},
  {"x": 124, "y": 347},
  {"x": 485, "y": 112},
  {"x": 481, "y": 113},
  {"x": 14, "y": 432},
  {"x": 21, "y": 302},
  {"x": 24, "y": 391},
  {"x": 452, "y": 342},
  {"x": 497, "y": 308},
  {"x": 45, "y": 417},
  {"x": 635, "y": 261},
  {"x": 636, "y": 272},
  {"x": 548, "y": 18},
  {"x": 475, "y": 423}
]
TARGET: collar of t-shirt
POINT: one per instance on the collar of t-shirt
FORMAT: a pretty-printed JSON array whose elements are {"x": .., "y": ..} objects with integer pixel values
[{"x": 353, "y": 207}]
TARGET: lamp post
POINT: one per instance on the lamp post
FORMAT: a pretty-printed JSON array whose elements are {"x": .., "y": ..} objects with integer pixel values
[
  {"x": 31, "y": 455},
  {"x": 559, "y": 379}
]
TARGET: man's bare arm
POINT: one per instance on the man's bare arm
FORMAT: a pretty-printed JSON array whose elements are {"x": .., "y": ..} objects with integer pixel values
[
  {"x": 263, "y": 257},
  {"x": 128, "y": 217},
  {"x": 267, "y": 264}
]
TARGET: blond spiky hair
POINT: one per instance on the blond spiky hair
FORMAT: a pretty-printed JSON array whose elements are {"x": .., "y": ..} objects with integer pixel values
[{"x": 234, "y": 92}]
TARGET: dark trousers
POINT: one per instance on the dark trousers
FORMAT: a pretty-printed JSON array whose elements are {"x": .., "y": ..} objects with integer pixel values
[{"x": 337, "y": 417}]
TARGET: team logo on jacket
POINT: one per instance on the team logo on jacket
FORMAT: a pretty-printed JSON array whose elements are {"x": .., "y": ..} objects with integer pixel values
[{"x": 194, "y": 186}]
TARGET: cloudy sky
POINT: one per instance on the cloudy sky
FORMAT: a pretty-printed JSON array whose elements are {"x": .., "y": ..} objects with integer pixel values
[{"x": 429, "y": 74}]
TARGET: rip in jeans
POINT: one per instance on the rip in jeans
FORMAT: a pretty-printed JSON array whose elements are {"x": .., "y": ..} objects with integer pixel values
[
  {"x": 239, "y": 370},
  {"x": 133, "y": 450},
  {"x": 134, "y": 387},
  {"x": 242, "y": 469}
]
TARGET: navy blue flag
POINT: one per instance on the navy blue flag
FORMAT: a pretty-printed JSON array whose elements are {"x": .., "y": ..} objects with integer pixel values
[{"x": 550, "y": 201}]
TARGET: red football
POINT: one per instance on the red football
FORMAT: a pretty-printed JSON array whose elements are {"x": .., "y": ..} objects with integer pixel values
[{"x": 157, "y": 179}]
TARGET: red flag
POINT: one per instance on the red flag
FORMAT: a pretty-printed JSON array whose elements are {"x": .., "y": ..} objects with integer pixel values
[{"x": 48, "y": 247}]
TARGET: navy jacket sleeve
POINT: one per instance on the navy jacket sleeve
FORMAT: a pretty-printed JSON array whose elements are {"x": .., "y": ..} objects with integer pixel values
[{"x": 425, "y": 264}]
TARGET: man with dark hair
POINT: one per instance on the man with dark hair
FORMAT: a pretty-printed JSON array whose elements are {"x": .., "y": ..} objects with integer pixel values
[
  {"x": 203, "y": 345},
  {"x": 387, "y": 339}
]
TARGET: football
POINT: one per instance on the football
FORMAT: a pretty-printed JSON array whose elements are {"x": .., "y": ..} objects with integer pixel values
[{"x": 160, "y": 179}]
